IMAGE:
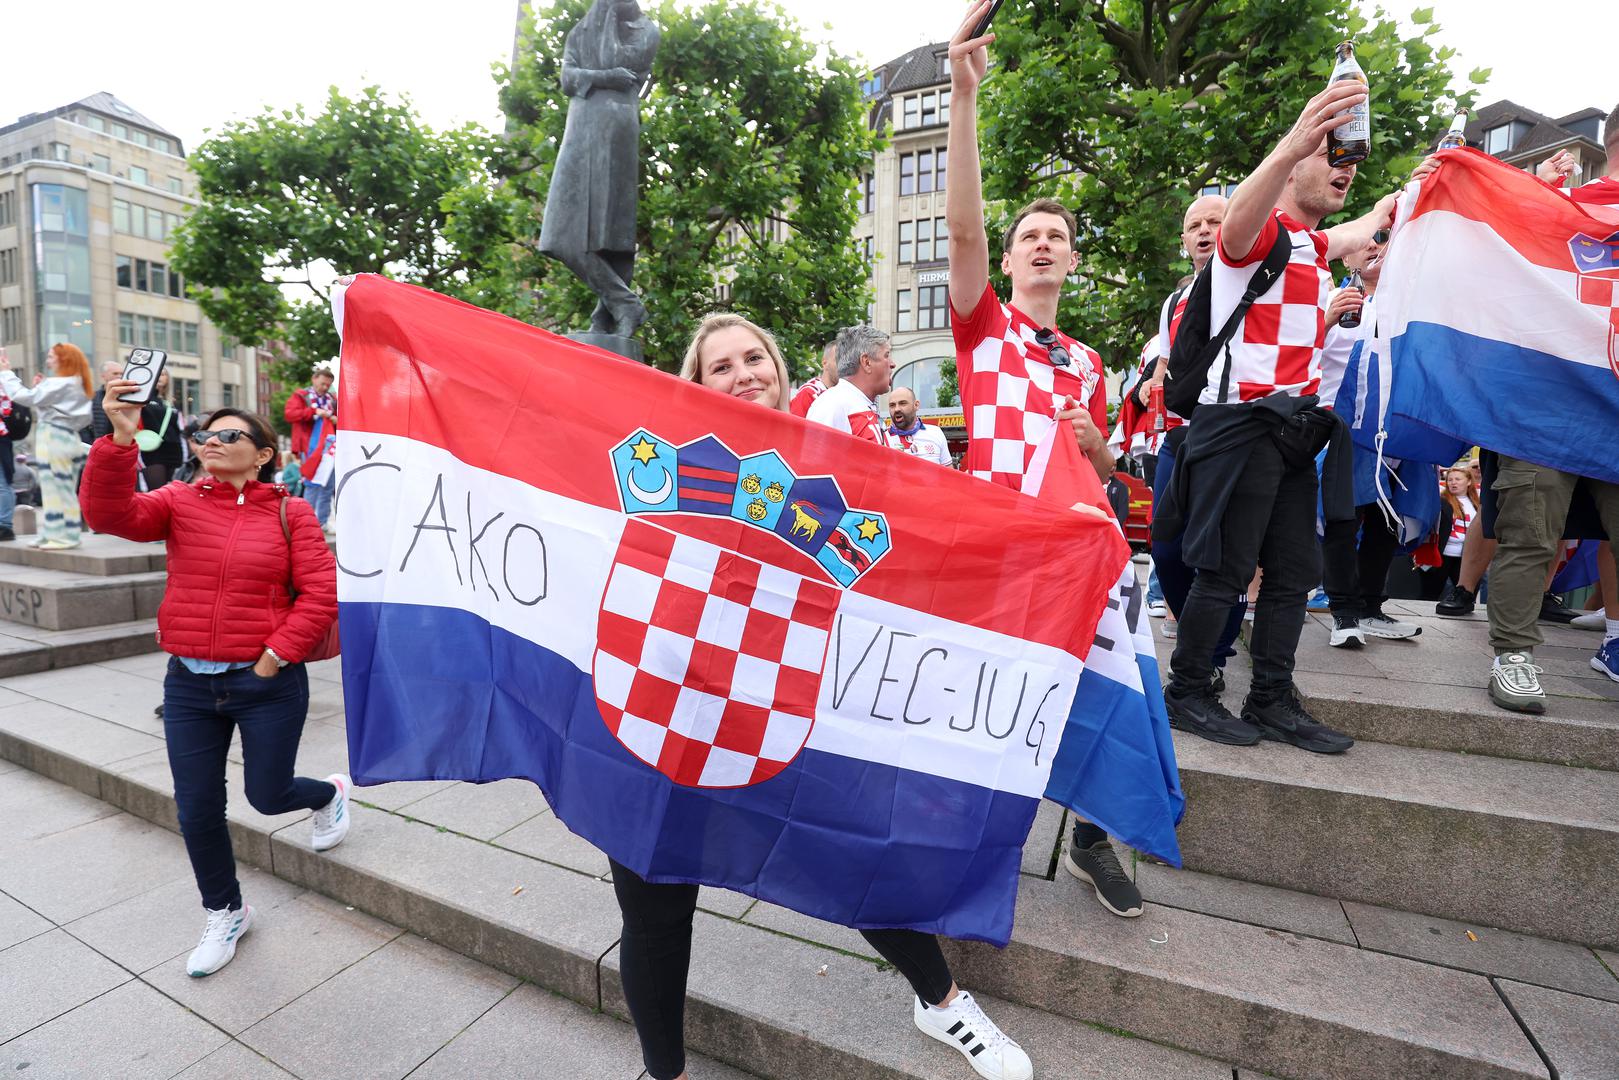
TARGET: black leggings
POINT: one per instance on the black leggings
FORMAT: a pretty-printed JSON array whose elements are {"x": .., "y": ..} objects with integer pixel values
[{"x": 655, "y": 957}]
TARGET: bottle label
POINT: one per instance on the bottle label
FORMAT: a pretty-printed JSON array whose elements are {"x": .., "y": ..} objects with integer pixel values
[{"x": 1359, "y": 128}]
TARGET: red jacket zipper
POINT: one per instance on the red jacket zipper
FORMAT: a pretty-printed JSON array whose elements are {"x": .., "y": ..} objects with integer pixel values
[{"x": 224, "y": 565}]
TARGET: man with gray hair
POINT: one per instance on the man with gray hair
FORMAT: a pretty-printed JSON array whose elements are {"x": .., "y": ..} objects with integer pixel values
[{"x": 865, "y": 373}]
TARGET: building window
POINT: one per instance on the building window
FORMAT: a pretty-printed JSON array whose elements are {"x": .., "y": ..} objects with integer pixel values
[
  {"x": 8, "y": 266},
  {"x": 923, "y": 171},
  {"x": 101, "y": 163},
  {"x": 160, "y": 144},
  {"x": 126, "y": 328},
  {"x": 905, "y": 319},
  {"x": 119, "y": 131},
  {"x": 120, "y": 217},
  {"x": 868, "y": 193},
  {"x": 930, "y": 109},
  {"x": 923, "y": 241},
  {"x": 191, "y": 339},
  {"x": 176, "y": 186},
  {"x": 139, "y": 137},
  {"x": 933, "y": 307},
  {"x": 160, "y": 279},
  {"x": 61, "y": 151},
  {"x": 911, "y": 107},
  {"x": 94, "y": 122},
  {"x": 8, "y": 208},
  {"x": 137, "y": 175},
  {"x": 227, "y": 395},
  {"x": 11, "y": 324},
  {"x": 140, "y": 276},
  {"x": 187, "y": 393},
  {"x": 907, "y": 174},
  {"x": 1498, "y": 140},
  {"x": 124, "y": 271}
]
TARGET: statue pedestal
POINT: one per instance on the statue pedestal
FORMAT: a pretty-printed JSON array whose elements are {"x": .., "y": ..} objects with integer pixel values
[{"x": 626, "y": 347}]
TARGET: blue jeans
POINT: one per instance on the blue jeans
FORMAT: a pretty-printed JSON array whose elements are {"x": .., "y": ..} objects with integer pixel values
[
  {"x": 199, "y": 714},
  {"x": 320, "y": 497},
  {"x": 8, "y": 497},
  {"x": 1176, "y": 577},
  {"x": 1155, "y": 590}
]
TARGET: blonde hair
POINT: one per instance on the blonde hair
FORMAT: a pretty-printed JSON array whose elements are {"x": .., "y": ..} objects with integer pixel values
[{"x": 691, "y": 367}]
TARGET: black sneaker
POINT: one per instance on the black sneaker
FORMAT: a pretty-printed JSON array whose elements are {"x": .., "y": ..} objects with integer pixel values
[
  {"x": 1202, "y": 714},
  {"x": 6, "y": 533},
  {"x": 1286, "y": 721},
  {"x": 1217, "y": 686},
  {"x": 158, "y": 712},
  {"x": 1099, "y": 865},
  {"x": 1457, "y": 602},
  {"x": 1553, "y": 610}
]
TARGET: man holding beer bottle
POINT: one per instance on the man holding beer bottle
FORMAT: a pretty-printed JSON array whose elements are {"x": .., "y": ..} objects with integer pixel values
[{"x": 1245, "y": 484}]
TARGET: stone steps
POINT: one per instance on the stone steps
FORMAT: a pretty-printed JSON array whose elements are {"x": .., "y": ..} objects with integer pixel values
[
  {"x": 785, "y": 996},
  {"x": 25, "y": 650},
  {"x": 104, "y": 556},
  {"x": 1526, "y": 846},
  {"x": 46, "y": 599}
]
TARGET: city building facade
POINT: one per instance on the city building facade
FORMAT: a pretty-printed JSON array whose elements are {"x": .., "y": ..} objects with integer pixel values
[
  {"x": 91, "y": 194},
  {"x": 1525, "y": 138},
  {"x": 902, "y": 230}
]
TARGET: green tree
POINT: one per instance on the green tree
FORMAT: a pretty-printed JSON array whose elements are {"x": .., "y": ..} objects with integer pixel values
[
  {"x": 362, "y": 187},
  {"x": 1124, "y": 109},
  {"x": 752, "y": 141}
]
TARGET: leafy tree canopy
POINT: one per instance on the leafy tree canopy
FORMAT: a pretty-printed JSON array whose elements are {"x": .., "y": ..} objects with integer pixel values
[
  {"x": 361, "y": 187},
  {"x": 1124, "y": 109}
]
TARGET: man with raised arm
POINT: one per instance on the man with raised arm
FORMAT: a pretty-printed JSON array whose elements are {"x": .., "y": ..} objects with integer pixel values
[
  {"x": 1245, "y": 485},
  {"x": 1018, "y": 373}
]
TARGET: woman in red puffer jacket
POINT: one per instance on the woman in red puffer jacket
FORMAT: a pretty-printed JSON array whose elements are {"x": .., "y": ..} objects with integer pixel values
[{"x": 237, "y": 636}]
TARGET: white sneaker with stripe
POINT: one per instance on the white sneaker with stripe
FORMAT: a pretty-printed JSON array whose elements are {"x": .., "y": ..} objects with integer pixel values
[
  {"x": 332, "y": 820},
  {"x": 963, "y": 1025},
  {"x": 218, "y": 945}
]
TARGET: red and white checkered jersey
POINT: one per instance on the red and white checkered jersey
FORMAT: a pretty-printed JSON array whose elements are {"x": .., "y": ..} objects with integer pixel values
[
  {"x": 1169, "y": 322},
  {"x": 805, "y": 397},
  {"x": 1277, "y": 349},
  {"x": 846, "y": 408},
  {"x": 1011, "y": 392}
]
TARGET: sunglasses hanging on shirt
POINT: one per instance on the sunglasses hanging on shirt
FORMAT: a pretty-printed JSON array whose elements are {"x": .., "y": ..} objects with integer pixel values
[{"x": 1047, "y": 340}]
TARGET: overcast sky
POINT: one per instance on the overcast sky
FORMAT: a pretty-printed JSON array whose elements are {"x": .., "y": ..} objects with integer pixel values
[{"x": 193, "y": 65}]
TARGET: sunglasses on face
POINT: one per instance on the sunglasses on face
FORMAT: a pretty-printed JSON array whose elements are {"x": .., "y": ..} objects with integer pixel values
[
  {"x": 1047, "y": 340},
  {"x": 227, "y": 436}
]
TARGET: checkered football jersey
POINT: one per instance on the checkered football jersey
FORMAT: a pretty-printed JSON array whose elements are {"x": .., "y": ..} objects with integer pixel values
[
  {"x": 708, "y": 663},
  {"x": 1010, "y": 392},
  {"x": 805, "y": 397},
  {"x": 1277, "y": 349}
]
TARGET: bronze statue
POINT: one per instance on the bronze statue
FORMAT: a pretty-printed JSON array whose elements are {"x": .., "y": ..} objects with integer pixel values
[{"x": 589, "y": 223}]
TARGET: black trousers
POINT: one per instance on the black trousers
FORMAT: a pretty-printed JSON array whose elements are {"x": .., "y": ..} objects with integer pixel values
[
  {"x": 655, "y": 958},
  {"x": 1269, "y": 523},
  {"x": 1356, "y": 576}
]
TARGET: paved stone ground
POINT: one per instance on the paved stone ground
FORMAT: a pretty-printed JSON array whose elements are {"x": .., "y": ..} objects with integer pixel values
[{"x": 98, "y": 912}]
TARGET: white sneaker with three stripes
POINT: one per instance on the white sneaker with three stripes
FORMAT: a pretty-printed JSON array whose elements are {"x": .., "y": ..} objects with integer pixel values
[
  {"x": 963, "y": 1025},
  {"x": 218, "y": 945}
]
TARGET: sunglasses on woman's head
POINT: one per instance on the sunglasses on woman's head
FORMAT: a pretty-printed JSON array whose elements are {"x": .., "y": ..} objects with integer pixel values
[{"x": 228, "y": 436}]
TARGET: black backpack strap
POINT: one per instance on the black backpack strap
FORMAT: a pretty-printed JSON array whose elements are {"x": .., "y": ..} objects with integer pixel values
[{"x": 1268, "y": 274}]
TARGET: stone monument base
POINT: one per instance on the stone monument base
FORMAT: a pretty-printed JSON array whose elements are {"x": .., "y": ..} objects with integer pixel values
[{"x": 626, "y": 347}]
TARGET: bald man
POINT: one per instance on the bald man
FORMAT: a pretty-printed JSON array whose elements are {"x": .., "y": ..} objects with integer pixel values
[{"x": 915, "y": 437}]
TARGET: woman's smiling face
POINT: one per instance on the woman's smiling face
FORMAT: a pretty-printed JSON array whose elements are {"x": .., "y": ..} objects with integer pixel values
[{"x": 734, "y": 361}]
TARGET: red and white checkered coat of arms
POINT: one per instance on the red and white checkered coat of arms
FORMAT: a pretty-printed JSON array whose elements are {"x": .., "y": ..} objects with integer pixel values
[{"x": 708, "y": 663}]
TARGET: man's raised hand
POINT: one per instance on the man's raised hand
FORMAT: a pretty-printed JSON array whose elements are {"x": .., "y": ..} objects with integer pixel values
[
  {"x": 969, "y": 56},
  {"x": 1326, "y": 111}
]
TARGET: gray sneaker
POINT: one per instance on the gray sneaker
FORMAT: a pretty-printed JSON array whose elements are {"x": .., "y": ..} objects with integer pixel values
[
  {"x": 1381, "y": 626},
  {"x": 1515, "y": 683}
]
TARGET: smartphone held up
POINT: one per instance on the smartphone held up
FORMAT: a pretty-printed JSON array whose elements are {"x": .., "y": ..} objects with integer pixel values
[
  {"x": 989, "y": 16},
  {"x": 142, "y": 367}
]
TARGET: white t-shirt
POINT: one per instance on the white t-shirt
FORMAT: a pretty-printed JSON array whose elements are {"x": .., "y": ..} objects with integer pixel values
[
  {"x": 846, "y": 408},
  {"x": 928, "y": 443},
  {"x": 1458, "y": 526},
  {"x": 1277, "y": 349}
]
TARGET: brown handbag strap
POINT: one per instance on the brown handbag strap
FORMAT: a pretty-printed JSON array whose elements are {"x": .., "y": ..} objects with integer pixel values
[{"x": 286, "y": 530}]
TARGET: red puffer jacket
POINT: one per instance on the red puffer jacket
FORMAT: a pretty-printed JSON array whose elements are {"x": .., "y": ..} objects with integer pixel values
[{"x": 229, "y": 562}]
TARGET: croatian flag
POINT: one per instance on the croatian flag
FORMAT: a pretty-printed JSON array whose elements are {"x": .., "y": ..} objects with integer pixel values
[
  {"x": 1500, "y": 311},
  {"x": 731, "y": 647},
  {"x": 1116, "y": 763}
]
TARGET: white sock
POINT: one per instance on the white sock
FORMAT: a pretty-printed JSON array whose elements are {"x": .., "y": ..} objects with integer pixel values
[{"x": 1612, "y": 629}]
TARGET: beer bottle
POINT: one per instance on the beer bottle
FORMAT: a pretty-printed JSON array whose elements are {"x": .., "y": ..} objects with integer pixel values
[
  {"x": 1352, "y": 143},
  {"x": 1351, "y": 319},
  {"x": 1454, "y": 139}
]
